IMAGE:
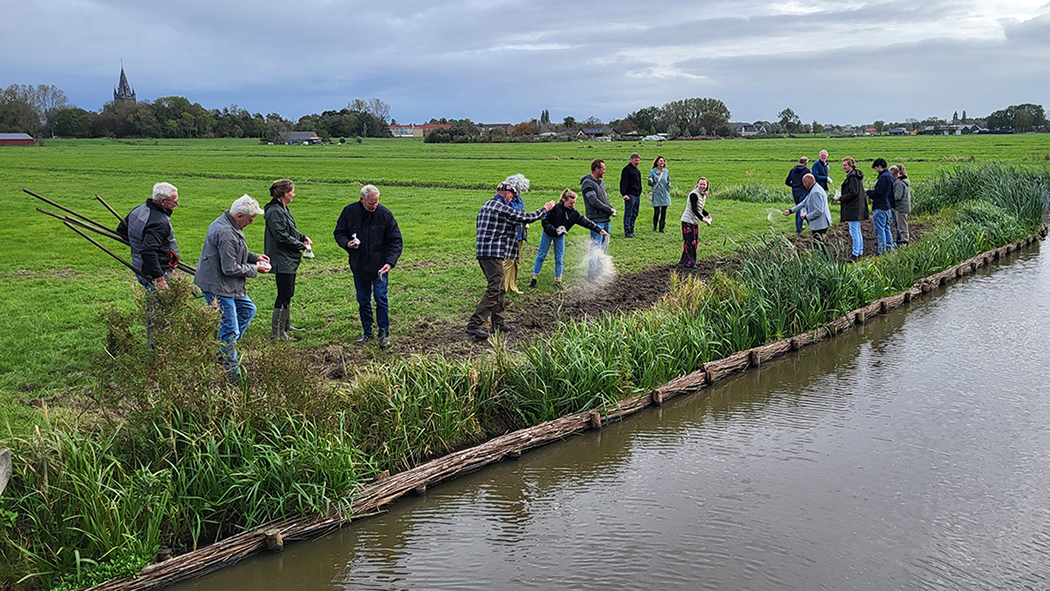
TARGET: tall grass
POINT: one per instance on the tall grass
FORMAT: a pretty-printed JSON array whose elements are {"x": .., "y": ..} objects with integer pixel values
[
  {"x": 1019, "y": 190},
  {"x": 186, "y": 460},
  {"x": 752, "y": 191}
]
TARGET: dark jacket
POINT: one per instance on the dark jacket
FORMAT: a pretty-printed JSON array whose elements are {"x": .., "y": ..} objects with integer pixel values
[
  {"x": 379, "y": 235},
  {"x": 631, "y": 181},
  {"x": 284, "y": 243},
  {"x": 154, "y": 251},
  {"x": 854, "y": 201},
  {"x": 794, "y": 180},
  {"x": 882, "y": 194},
  {"x": 565, "y": 218},
  {"x": 820, "y": 173},
  {"x": 595, "y": 202},
  {"x": 225, "y": 261}
]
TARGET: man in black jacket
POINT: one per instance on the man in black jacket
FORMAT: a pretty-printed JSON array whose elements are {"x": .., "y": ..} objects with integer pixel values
[
  {"x": 154, "y": 251},
  {"x": 798, "y": 190},
  {"x": 369, "y": 233},
  {"x": 631, "y": 191}
]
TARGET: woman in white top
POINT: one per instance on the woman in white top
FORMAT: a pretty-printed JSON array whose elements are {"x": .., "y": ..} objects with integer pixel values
[{"x": 691, "y": 218}]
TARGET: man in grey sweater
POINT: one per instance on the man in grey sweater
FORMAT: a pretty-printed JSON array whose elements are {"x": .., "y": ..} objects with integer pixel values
[
  {"x": 598, "y": 210},
  {"x": 814, "y": 208},
  {"x": 225, "y": 264}
]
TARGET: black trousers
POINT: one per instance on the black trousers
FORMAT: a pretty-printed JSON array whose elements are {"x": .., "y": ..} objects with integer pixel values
[
  {"x": 285, "y": 289},
  {"x": 659, "y": 216}
]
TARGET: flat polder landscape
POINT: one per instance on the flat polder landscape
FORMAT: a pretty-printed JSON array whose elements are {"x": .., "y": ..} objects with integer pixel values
[{"x": 57, "y": 284}]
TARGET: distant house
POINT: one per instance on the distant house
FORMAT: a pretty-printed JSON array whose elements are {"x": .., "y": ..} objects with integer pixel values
[
  {"x": 484, "y": 128},
  {"x": 16, "y": 139},
  {"x": 413, "y": 130},
  {"x": 747, "y": 129},
  {"x": 959, "y": 129},
  {"x": 300, "y": 137},
  {"x": 898, "y": 131}
]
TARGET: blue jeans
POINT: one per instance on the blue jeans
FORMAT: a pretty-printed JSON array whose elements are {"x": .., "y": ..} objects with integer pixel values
[
  {"x": 559, "y": 253},
  {"x": 366, "y": 288},
  {"x": 881, "y": 218},
  {"x": 858, "y": 238},
  {"x": 235, "y": 314},
  {"x": 630, "y": 212},
  {"x": 598, "y": 242}
]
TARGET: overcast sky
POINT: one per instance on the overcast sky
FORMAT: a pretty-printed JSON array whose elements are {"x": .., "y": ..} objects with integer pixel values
[{"x": 506, "y": 60}]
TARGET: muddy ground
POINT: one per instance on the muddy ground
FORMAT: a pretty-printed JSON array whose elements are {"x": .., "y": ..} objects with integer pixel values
[{"x": 536, "y": 314}]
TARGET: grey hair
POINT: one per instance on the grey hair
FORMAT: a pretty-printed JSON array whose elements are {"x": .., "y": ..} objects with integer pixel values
[
  {"x": 519, "y": 182},
  {"x": 894, "y": 169},
  {"x": 824, "y": 152},
  {"x": 246, "y": 205},
  {"x": 163, "y": 191},
  {"x": 368, "y": 190}
]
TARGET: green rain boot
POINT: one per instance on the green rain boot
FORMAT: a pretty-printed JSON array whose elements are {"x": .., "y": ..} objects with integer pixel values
[
  {"x": 275, "y": 322},
  {"x": 288, "y": 322},
  {"x": 282, "y": 325}
]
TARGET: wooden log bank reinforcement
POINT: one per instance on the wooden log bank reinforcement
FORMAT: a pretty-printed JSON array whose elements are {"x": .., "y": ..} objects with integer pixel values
[{"x": 387, "y": 488}]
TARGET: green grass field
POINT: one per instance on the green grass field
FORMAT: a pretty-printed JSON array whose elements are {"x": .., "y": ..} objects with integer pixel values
[{"x": 56, "y": 284}]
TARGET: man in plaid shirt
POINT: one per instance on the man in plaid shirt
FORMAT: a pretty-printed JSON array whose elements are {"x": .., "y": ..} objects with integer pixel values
[{"x": 496, "y": 241}]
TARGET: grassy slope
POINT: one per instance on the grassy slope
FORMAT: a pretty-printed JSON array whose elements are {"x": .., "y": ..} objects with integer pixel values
[{"x": 55, "y": 283}]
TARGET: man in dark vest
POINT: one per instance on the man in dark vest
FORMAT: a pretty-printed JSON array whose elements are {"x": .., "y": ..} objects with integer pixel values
[{"x": 154, "y": 251}]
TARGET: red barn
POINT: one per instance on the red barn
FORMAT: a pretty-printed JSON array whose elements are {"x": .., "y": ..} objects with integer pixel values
[{"x": 16, "y": 139}]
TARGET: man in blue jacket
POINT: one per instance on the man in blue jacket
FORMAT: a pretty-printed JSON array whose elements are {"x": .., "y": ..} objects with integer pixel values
[
  {"x": 882, "y": 205},
  {"x": 821, "y": 170},
  {"x": 798, "y": 190}
]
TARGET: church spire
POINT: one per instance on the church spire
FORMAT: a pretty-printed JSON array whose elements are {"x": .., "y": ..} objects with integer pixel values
[{"x": 123, "y": 92}]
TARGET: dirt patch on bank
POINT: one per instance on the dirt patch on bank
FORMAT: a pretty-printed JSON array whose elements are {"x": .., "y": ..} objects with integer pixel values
[{"x": 535, "y": 314}]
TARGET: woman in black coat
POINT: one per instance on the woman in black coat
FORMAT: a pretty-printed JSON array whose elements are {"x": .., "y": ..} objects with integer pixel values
[
  {"x": 284, "y": 244},
  {"x": 563, "y": 216}
]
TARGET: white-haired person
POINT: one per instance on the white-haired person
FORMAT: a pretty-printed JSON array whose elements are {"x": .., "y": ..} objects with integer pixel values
[
  {"x": 510, "y": 266},
  {"x": 154, "y": 251},
  {"x": 225, "y": 265},
  {"x": 369, "y": 234},
  {"x": 496, "y": 242}
]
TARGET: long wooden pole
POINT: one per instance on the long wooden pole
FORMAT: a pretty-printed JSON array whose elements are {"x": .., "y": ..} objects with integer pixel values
[
  {"x": 111, "y": 210},
  {"x": 104, "y": 249},
  {"x": 69, "y": 211}
]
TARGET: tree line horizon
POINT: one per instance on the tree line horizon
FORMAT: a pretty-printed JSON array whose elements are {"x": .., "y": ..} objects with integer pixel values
[{"x": 44, "y": 110}]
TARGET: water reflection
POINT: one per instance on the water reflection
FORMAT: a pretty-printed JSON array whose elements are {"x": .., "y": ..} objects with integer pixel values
[{"x": 910, "y": 453}]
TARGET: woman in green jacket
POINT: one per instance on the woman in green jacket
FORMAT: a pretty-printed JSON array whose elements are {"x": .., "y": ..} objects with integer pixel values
[
  {"x": 660, "y": 181},
  {"x": 284, "y": 245}
]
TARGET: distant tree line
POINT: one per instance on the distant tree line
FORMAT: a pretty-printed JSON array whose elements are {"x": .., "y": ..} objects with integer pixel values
[
  {"x": 45, "y": 111},
  {"x": 687, "y": 117}
]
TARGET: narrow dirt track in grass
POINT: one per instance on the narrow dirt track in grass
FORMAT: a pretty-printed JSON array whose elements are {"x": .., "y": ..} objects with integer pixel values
[{"x": 537, "y": 314}]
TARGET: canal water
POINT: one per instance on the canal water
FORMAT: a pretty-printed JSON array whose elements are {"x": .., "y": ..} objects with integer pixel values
[{"x": 910, "y": 453}]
